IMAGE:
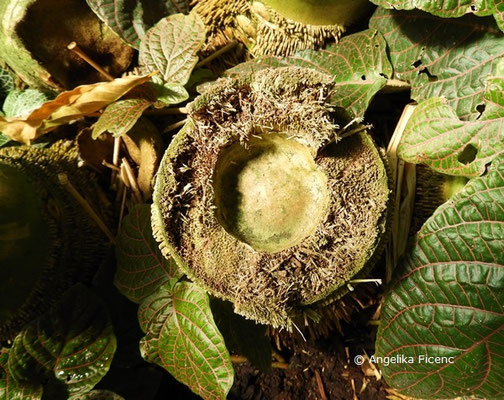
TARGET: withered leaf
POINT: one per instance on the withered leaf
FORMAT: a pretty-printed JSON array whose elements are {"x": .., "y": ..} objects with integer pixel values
[
  {"x": 144, "y": 145},
  {"x": 68, "y": 106}
]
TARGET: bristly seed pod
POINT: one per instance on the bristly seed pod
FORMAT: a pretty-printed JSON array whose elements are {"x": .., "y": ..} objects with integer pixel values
[
  {"x": 278, "y": 27},
  {"x": 251, "y": 207},
  {"x": 47, "y": 241}
]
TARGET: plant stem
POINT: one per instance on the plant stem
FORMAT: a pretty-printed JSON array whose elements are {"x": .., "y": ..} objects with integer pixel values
[
  {"x": 167, "y": 111},
  {"x": 132, "y": 180},
  {"x": 237, "y": 359},
  {"x": 73, "y": 46},
  {"x": 174, "y": 126},
  {"x": 111, "y": 166},
  {"x": 63, "y": 179},
  {"x": 216, "y": 54},
  {"x": 320, "y": 385},
  {"x": 377, "y": 281}
]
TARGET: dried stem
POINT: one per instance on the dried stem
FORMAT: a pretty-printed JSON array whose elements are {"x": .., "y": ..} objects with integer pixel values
[
  {"x": 216, "y": 54},
  {"x": 115, "y": 162},
  {"x": 132, "y": 180},
  {"x": 404, "y": 182},
  {"x": 377, "y": 281},
  {"x": 74, "y": 47},
  {"x": 175, "y": 126},
  {"x": 123, "y": 206},
  {"x": 237, "y": 359},
  {"x": 354, "y": 131},
  {"x": 352, "y": 383},
  {"x": 111, "y": 166},
  {"x": 277, "y": 356},
  {"x": 320, "y": 386},
  {"x": 63, "y": 179},
  {"x": 167, "y": 111},
  {"x": 117, "y": 147}
]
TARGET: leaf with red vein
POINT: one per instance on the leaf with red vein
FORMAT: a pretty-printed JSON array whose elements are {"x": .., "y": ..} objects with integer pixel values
[
  {"x": 436, "y": 137},
  {"x": 12, "y": 390},
  {"x": 131, "y": 19},
  {"x": 448, "y": 299},
  {"x": 450, "y": 8},
  {"x": 119, "y": 117},
  {"x": 170, "y": 47},
  {"x": 358, "y": 63},
  {"x": 499, "y": 13},
  {"x": 442, "y": 57},
  {"x": 72, "y": 344},
  {"x": 181, "y": 336},
  {"x": 141, "y": 268},
  {"x": 445, "y": 9}
]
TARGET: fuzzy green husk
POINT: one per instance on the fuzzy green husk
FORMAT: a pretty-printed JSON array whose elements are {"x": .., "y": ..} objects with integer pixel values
[
  {"x": 266, "y": 284},
  {"x": 34, "y": 35},
  {"x": 318, "y": 12},
  {"x": 47, "y": 242}
]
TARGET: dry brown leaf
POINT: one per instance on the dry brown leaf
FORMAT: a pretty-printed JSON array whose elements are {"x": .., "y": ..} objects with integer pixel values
[
  {"x": 68, "y": 106},
  {"x": 94, "y": 151},
  {"x": 144, "y": 145}
]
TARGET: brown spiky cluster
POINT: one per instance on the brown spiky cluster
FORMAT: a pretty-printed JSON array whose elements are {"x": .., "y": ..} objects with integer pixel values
[
  {"x": 432, "y": 190},
  {"x": 220, "y": 18},
  {"x": 280, "y": 36},
  {"x": 260, "y": 28},
  {"x": 269, "y": 287},
  {"x": 75, "y": 246}
]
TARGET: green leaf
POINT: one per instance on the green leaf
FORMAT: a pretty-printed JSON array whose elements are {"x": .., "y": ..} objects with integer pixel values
[
  {"x": 436, "y": 137},
  {"x": 170, "y": 47},
  {"x": 12, "y": 390},
  {"x": 98, "y": 395},
  {"x": 7, "y": 83},
  {"x": 130, "y": 19},
  {"x": 449, "y": 8},
  {"x": 442, "y": 57},
  {"x": 181, "y": 336},
  {"x": 20, "y": 103},
  {"x": 71, "y": 346},
  {"x": 119, "y": 117},
  {"x": 499, "y": 13},
  {"x": 445, "y": 9},
  {"x": 448, "y": 299},
  {"x": 4, "y": 140},
  {"x": 169, "y": 93},
  {"x": 358, "y": 63},
  {"x": 243, "y": 336},
  {"x": 141, "y": 268}
]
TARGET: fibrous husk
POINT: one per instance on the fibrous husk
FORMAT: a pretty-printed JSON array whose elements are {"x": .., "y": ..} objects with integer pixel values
[
  {"x": 47, "y": 241},
  {"x": 432, "y": 190},
  {"x": 237, "y": 231},
  {"x": 271, "y": 27},
  {"x": 34, "y": 35}
]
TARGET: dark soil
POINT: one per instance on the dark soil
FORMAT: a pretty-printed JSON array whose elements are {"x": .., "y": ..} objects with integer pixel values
[{"x": 340, "y": 377}]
